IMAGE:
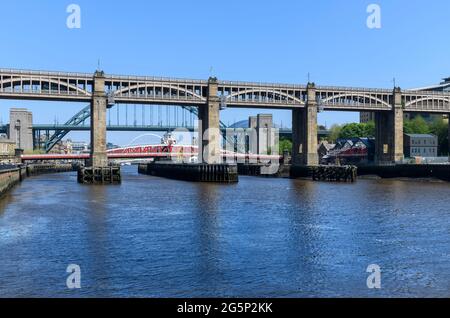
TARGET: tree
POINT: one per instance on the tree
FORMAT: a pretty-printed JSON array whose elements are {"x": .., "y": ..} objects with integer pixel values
[
  {"x": 440, "y": 128},
  {"x": 355, "y": 130},
  {"x": 335, "y": 131},
  {"x": 418, "y": 125},
  {"x": 285, "y": 145}
]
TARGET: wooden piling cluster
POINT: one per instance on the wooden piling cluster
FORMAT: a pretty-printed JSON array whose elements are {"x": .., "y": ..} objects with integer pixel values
[
  {"x": 334, "y": 173},
  {"x": 100, "y": 175},
  {"x": 38, "y": 169},
  {"x": 249, "y": 169},
  {"x": 215, "y": 173}
]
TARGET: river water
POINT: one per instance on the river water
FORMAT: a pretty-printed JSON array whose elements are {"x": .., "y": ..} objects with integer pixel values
[{"x": 154, "y": 237}]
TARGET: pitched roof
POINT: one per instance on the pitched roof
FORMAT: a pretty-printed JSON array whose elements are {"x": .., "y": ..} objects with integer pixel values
[{"x": 421, "y": 135}]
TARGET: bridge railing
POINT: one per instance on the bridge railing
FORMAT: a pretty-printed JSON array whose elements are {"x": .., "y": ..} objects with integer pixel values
[
  {"x": 261, "y": 84},
  {"x": 425, "y": 93},
  {"x": 46, "y": 73},
  {"x": 354, "y": 89},
  {"x": 158, "y": 96},
  {"x": 154, "y": 79},
  {"x": 42, "y": 91},
  {"x": 261, "y": 100}
]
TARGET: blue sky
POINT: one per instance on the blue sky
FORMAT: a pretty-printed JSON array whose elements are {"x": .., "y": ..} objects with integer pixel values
[{"x": 267, "y": 41}]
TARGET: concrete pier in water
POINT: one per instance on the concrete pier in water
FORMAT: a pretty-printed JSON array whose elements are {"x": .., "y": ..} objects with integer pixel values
[
  {"x": 214, "y": 173},
  {"x": 325, "y": 173},
  {"x": 99, "y": 175},
  {"x": 98, "y": 170}
]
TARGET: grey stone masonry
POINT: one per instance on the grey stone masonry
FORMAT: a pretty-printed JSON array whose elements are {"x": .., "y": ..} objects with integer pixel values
[
  {"x": 99, "y": 156},
  {"x": 389, "y": 132},
  {"x": 304, "y": 131},
  {"x": 209, "y": 133}
]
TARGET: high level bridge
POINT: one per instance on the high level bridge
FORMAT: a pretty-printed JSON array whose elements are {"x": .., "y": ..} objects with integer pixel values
[{"x": 209, "y": 96}]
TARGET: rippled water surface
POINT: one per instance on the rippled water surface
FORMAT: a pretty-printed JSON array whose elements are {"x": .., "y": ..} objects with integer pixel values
[{"x": 154, "y": 237}]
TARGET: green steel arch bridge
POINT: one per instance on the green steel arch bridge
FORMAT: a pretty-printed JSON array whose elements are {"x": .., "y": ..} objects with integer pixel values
[{"x": 149, "y": 120}]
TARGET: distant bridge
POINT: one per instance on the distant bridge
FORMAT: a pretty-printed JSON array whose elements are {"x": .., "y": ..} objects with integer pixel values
[
  {"x": 152, "y": 152},
  {"x": 78, "y": 87},
  {"x": 206, "y": 98}
]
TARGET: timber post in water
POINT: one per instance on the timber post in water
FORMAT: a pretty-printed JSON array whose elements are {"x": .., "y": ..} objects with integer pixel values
[
  {"x": 326, "y": 173},
  {"x": 216, "y": 173},
  {"x": 99, "y": 175}
]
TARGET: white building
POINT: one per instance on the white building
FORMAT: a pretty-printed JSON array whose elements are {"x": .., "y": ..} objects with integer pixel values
[
  {"x": 21, "y": 128},
  {"x": 421, "y": 145}
]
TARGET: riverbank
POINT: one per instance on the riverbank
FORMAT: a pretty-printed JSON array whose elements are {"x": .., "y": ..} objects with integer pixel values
[
  {"x": 400, "y": 172},
  {"x": 9, "y": 178},
  {"x": 12, "y": 176},
  {"x": 212, "y": 240},
  {"x": 422, "y": 172}
]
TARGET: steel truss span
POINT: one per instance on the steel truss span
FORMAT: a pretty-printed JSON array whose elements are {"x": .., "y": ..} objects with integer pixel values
[
  {"x": 78, "y": 121},
  {"x": 62, "y": 86}
]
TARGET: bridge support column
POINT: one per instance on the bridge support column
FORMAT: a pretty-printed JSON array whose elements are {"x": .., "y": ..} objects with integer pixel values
[
  {"x": 99, "y": 156},
  {"x": 209, "y": 127},
  {"x": 448, "y": 137},
  {"x": 389, "y": 132},
  {"x": 304, "y": 131}
]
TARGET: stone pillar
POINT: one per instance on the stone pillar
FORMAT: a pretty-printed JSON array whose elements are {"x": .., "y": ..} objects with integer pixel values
[
  {"x": 398, "y": 116},
  {"x": 449, "y": 137},
  {"x": 99, "y": 101},
  {"x": 21, "y": 128},
  {"x": 389, "y": 132},
  {"x": 265, "y": 134},
  {"x": 209, "y": 130},
  {"x": 304, "y": 131}
]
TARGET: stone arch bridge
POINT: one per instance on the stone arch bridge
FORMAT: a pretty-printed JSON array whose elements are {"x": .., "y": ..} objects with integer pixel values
[{"x": 209, "y": 96}]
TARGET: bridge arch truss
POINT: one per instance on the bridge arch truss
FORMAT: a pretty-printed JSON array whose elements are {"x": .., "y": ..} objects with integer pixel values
[
  {"x": 434, "y": 102},
  {"x": 63, "y": 86}
]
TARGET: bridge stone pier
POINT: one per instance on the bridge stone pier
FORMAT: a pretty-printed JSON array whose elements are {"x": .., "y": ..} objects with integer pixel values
[
  {"x": 206, "y": 96},
  {"x": 304, "y": 131},
  {"x": 98, "y": 170},
  {"x": 99, "y": 156},
  {"x": 209, "y": 126},
  {"x": 389, "y": 132}
]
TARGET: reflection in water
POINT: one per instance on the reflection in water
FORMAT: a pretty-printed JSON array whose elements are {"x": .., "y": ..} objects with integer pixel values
[
  {"x": 262, "y": 237},
  {"x": 207, "y": 234},
  {"x": 98, "y": 231}
]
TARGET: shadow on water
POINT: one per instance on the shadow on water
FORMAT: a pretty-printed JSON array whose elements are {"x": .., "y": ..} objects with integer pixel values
[
  {"x": 5, "y": 200},
  {"x": 206, "y": 234},
  {"x": 258, "y": 238},
  {"x": 97, "y": 234}
]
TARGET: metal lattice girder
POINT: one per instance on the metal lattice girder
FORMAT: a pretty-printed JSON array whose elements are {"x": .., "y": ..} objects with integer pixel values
[
  {"x": 61, "y": 86},
  {"x": 76, "y": 120},
  {"x": 85, "y": 114}
]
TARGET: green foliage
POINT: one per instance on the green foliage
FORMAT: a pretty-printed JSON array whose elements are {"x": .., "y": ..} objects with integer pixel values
[
  {"x": 440, "y": 128},
  {"x": 285, "y": 145},
  {"x": 355, "y": 130},
  {"x": 35, "y": 152},
  {"x": 418, "y": 125},
  {"x": 335, "y": 131}
]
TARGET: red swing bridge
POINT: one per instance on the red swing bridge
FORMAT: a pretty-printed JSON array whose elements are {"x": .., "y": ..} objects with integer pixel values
[{"x": 154, "y": 152}]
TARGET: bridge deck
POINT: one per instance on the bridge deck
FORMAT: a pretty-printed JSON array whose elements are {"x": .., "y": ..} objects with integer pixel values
[{"x": 61, "y": 86}]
